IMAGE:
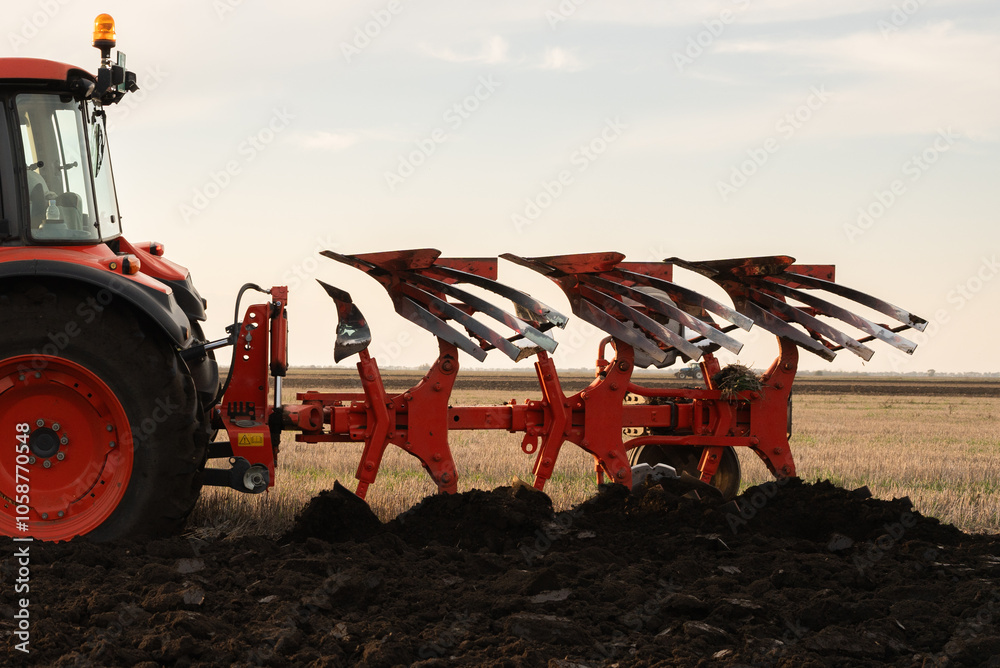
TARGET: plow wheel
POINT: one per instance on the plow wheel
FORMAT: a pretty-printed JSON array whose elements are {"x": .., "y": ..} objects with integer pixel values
[
  {"x": 686, "y": 458},
  {"x": 100, "y": 415}
]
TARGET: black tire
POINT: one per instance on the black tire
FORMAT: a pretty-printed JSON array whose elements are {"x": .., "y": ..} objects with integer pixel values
[
  {"x": 686, "y": 458},
  {"x": 206, "y": 395},
  {"x": 138, "y": 365}
]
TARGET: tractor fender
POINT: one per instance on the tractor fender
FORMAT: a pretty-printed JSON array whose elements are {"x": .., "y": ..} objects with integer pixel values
[
  {"x": 161, "y": 307},
  {"x": 188, "y": 297}
]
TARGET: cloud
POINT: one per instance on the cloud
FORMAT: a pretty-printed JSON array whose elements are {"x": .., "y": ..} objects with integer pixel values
[
  {"x": 321, "y": 140},
  {"x": 762, "y": 12},
  {"x": 560, "y": 59},
  {"x": 910, "y": 81},
  {"x": 492, "y": 50}
]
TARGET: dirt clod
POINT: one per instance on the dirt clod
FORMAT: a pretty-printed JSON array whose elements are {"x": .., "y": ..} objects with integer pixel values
[{"x": 335, "y": 515}]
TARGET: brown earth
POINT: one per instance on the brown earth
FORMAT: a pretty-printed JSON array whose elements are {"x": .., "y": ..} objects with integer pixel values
[{"x": 794, "y": 575}]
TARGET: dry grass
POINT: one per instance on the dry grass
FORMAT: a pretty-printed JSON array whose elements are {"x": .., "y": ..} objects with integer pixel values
[{"x": 942, "y": 452}]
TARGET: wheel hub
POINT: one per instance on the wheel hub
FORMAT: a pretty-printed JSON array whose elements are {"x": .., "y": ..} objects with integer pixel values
[{"x": 43, "y": 443}]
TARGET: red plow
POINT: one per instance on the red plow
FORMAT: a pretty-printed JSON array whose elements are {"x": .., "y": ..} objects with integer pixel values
[{"x": 650, "y": 321}]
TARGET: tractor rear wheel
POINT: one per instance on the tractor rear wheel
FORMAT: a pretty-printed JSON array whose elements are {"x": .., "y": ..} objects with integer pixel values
[
  {"x": 686, "y": 458},
  {"x": 103, "y": 413}
]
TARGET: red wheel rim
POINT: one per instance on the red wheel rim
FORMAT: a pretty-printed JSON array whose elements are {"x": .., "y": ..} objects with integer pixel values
[{"x": 80, "y": 449}]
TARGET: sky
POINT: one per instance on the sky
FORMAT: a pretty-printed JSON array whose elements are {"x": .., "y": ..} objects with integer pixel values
[{"x": 860, "y": 134}]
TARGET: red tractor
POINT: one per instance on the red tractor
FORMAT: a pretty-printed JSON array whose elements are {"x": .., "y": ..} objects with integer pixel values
[
  {"x": 110, "y": 394},
  {"x": 105, "y": 381}
]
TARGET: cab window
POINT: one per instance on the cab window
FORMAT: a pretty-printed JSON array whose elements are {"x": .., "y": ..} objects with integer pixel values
[{"x": 60, "y": 194}]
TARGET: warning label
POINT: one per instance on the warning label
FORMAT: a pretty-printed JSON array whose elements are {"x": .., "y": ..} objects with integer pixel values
[{"x": 251, "y": 440}]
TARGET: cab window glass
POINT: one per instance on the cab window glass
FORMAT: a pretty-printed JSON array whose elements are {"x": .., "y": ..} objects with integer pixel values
[
  {"x": 60, "y": 197},
  {"x": 104, "y": 183}
]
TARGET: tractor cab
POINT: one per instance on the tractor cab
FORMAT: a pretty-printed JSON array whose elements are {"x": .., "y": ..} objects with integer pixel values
[{"x": 57, "y": 183}]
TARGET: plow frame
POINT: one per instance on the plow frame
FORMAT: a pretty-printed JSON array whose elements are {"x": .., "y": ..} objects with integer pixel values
[
  {"x": 608, "y": 419},
  {"x": 418, "y": 420}
]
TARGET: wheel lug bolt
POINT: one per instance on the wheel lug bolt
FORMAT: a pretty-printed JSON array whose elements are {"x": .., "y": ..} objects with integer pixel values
[
  {"x": 111, "y": 444},
  {"x": 55, "y": 426},
  {"x": 110, "y": 428},
  {"x": 60, "y": 456},
  {"x": 39, "y": 422},
  {"x": 38, "y": 374},
  {"x": 45, "y": 516},
  {"x": 61, "y": 513},
  {"x": 63, "y": 441},
  {"x": 47, "y": 464},
  {"x": 31, "y": 460}
]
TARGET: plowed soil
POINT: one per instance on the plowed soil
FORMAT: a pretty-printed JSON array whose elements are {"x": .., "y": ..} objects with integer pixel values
[{"x": 793, "y": 574}]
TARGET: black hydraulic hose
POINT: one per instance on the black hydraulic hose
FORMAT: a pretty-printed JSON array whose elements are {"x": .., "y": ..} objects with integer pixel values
[{"x": 234, "y": 335}]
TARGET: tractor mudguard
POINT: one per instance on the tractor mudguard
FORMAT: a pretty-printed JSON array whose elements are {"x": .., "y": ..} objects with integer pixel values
[
  {"x": 188, "y": 298},
  {"x": 161, "y": 307}
]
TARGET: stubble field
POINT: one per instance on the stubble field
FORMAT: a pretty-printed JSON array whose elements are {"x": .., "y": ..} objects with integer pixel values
[{"x": 936, "y": 441}]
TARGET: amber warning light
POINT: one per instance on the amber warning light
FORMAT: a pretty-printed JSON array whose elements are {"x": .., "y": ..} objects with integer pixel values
[{"x": 104, "y": 31}]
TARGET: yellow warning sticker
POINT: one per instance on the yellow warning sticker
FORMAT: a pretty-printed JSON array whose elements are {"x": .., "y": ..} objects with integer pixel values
[{"x": 251, "y": 440}]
